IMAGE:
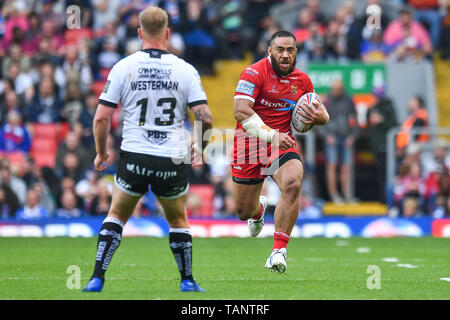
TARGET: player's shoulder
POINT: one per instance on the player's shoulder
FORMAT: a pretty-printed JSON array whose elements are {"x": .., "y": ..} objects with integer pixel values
[
  {"x": 258, "y": 68},
  {"x": 300, "y": 74},
  {"x": 183, "y": 64},
  {"x": 123, "y": 64}
]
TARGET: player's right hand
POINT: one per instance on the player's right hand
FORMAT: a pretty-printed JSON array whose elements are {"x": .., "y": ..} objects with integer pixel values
[
  {"x": 100, "y": 162},
  {"x": 283, "y": 141},
  {"x": 196, "y": 156}
]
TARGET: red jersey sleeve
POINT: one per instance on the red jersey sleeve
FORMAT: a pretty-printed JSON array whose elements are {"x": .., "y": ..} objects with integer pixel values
[
  {"x": 249, "y": 85},
  {"x": 309, "y": 87}
]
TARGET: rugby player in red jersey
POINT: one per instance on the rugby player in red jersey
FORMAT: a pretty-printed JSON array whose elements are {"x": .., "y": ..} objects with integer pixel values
[{"x": 263, "y": 144}]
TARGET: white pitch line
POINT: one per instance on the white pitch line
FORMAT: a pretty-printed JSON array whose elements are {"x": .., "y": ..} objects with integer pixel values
[
  {"x": 342, "y": 243},
  {"x": 406, "y": 265},
  {"x": 363, "y": 250},
  {"x": 445, "y": 279},
  {"x": 390, "y": 259}
]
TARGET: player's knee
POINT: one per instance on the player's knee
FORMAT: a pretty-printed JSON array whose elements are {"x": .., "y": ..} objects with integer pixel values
[
  {"x": 292, "y": 188},
  {"x": 244, "y": 212}
]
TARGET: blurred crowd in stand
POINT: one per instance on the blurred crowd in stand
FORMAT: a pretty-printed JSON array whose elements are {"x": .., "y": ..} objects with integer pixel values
[{"x": 52, "y": 73}]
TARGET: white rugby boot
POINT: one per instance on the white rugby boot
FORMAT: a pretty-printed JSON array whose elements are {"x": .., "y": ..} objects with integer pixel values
[
  {"x": 277, "y": 261},
  {"x": 255, "y": 226}
]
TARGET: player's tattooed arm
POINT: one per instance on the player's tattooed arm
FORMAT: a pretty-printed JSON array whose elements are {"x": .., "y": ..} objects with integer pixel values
[{"x": 203, "y": 114}]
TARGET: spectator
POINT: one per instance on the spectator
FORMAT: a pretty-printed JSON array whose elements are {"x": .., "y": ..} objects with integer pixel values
[
  {"x": 314, "y": 46},
  {"x": 129, "y": 29},
  {"x": 68, "y": 207},
  {"x": 175, "y": 9},
  {"x": 86, "y": 120},
  {"x": 45, "y": 53},
  {"x": 73, "y": 105},
  {"x": 51, "y": 32},
  {"x": 352, "y": 27},
  {"x": 113, "y": 35},
  {"x": 437, "y": 191},
  {"x": 14, "y": 137},
  {"x": 231, "y": 30},
  {"x": 23, "y": 83},
  {"x": 104, "y": 12},
  {"x": 410, "y": 190},
  {"x": 335, "y": 42},
  {"x": 417, "y": 118},
  {"x": 340, "y": 135},
  {"x": 440, "y": 157},
  {"x": 72, "y": 144},
  {"x": 373, "y": 49},
  {"x": 315, "y": 12},
  {"x": 32, "y": 37},
  {"x": 302, "y": 33},
  {"x": 15, "y": 54},
  {"x": 9, "y": 204},
  {"x": 68, "y": 184},
  {"x": 200, "y": 44},
  {"x": 31, "y": 172},
  {"x": 32, "y": 208},
  {"x": 15, "y": 183},
  {"x": 270, "y": 27},
  {"x": 76, "y": 68},
  {"x": 380, "y": 118},
  {"x": 405, "y": 36},
  {"x": 45, "y": 107},
  {"x": 11, "y": 104},
  {"x": 45, "y": 70},
  {"x": 16, "y": 25},
  {"x": 307, "y": 209},
  {"x": 428, "y": 11},
  {"x": 47, "y": 13},
  {"x": 71, "y": 167},
  {"x": 109, "y": 54},
  {"x": 86, "y": 188},
  {"x": 101, "y": 202}
]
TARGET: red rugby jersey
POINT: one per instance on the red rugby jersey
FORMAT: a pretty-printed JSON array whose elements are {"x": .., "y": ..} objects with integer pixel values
[{"x": 274, "y": 97}]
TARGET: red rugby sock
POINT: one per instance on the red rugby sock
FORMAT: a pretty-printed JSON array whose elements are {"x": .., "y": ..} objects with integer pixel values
[
  {"x": 259, "y": 213},
  {"x": 281, "y": 240}
]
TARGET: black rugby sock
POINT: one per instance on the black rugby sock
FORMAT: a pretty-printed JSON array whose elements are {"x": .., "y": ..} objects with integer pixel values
[
  {"x": 180, "y": 241},
  {"x": 109, "y": 239}
]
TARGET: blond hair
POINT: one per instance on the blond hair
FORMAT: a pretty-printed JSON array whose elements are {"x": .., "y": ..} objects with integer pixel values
[{"x": 153, "y": 21}]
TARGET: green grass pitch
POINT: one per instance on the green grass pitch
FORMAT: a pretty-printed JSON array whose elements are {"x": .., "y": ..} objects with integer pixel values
[{"x": 230, "y": 268}]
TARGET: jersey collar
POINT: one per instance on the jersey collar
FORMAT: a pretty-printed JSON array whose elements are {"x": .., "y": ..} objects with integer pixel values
[{"x": 155, "y": 53}]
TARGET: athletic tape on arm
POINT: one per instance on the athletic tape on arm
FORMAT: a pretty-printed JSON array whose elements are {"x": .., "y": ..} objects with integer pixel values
[{"x": 256, "y": 127}]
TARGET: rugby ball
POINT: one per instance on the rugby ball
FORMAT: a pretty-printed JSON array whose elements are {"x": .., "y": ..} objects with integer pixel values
[{"x": 296, "y": 122}]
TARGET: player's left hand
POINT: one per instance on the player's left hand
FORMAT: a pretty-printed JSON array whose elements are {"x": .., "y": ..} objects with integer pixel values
[{"x": 315, "y": 113}]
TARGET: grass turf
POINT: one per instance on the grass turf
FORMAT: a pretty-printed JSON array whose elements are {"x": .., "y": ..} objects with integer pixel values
[{"x": 229, "y": 268}]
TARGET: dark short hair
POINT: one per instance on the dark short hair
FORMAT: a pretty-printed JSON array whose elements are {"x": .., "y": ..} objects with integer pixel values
[
  {"x": 282, "y": 34},
  {"x": 405, "y": 10},
  {"x": 419, "y": 99}
]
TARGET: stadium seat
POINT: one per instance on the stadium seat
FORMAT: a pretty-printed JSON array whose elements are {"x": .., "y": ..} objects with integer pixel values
[
  {"x": 62, "y": 128},
  {"x": 44, "y": 144},
  {"x": 97, "y": 87},
  {"x": 104, "y": 72},
  {"x": 44, "y": 131},
  {"x": 206, "y": 193},
  {"x": 73, "y": 36}
]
